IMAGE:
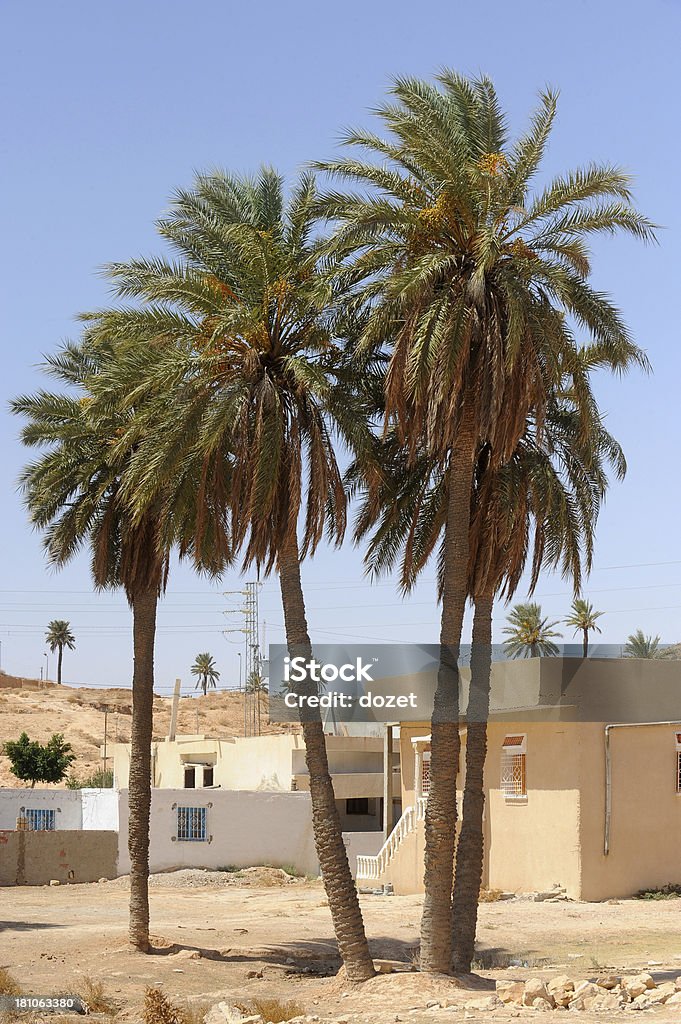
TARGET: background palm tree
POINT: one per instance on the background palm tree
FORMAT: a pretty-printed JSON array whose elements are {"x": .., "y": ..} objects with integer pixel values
[
  {"x": 471, "y": 281},
  {"x": 639, "y": 645},
  {"x": 204, "y": 667},
  {"x": 248, "y": 354},
  {"x": 584, "y": 618},
  {"x": 530, "y": 635},
  {"x": 57, "y": 637}
]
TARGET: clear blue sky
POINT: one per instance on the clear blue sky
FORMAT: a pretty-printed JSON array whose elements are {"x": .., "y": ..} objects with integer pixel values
[{"x": 109, "y": 107}]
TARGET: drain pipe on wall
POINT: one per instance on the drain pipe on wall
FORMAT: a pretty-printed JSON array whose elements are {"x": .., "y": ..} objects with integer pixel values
[{"x": 608, "y": 772}]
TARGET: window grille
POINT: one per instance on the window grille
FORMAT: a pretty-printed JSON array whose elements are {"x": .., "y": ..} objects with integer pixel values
[
  {"x": 40, "y": 819},
  {"x": 425, "y": 773},
  {"x": 678, "y": 762},
  {"x": 191, "y": 824},
  {"x": 513, "y": 768}
]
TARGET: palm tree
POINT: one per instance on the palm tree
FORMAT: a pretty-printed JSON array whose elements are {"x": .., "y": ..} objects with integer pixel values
[
  {"x": 204, "y": 668},
  {"x": 639, "y": 645},
  {"x": 472, "y": 283},
  {"x": 58, "y": 637},
  {"x": 543, "y": 504},
  {"x": 75, "y": 494},
  {"x": 244, "y": 326},
  {"x": 584, "y": 618},
  {"x": 530, "y": 635}
]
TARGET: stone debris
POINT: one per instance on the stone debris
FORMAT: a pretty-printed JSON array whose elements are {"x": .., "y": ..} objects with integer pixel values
[{"x": 603, "y": 995}]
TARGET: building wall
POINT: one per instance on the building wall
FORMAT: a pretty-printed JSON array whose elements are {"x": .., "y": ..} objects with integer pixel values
[
  {"x": 534, "y": 843},
  {"x": 65, "y": 802},
  {"x": 361, "y": 843},
  {"x": 645, "y": 818},
  {"x": 246, "y": 829},
  {"x": 35, "y": 858}
]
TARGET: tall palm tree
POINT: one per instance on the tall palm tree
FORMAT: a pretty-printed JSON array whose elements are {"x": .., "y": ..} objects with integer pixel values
[
  {"x": 584, "y": 618},
  {"x": 204, "y": 667},
  {"x": 639, "y": 645},
  {"x": 530, "y": 634},
  {"x": 473, "y": 282},
  {"x": 57, "y": 637},
  {"x": 541, "y": 506},
  {"x": 75, "y": 494},
  {"x": 245, "y": 330}
]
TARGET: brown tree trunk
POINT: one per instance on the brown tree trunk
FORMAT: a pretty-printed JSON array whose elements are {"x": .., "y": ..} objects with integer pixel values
[
  {"x": 59, "y": 657},
  {"x": 440, "y": 823},
  {"x": 470, "y": 848},
  {"x": 328, "y": 836},
  {"x": 585, "y": 644},
  {"x": 139, "y": 786}
]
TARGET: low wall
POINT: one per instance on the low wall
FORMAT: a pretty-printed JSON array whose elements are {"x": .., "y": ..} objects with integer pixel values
[
  {"x": 74, "y": 808},
  {"x": 362, "y": 844},
  {"x": 35, "y": 858},
  {"x": 244, "y": 829}
]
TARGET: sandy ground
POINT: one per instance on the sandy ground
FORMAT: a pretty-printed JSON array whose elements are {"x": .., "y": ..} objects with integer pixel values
[
  {"x": 78, "y": 713},
  {"x": 239, "y": 940}
]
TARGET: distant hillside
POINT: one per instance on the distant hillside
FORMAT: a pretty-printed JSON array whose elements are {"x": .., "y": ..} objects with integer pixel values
[{"x": 40, "y": 709}]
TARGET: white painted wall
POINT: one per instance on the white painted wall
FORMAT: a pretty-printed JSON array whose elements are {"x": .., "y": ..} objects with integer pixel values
[
  {"x": 75, "y": 808},
  {"x": 66, "y": 803},
  {"x": 100, "y": 809},
  {"x": 246, "y": 829},
  {"x": 365, "y": 844}
]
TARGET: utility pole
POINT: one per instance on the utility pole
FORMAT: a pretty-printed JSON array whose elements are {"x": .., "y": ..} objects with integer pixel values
[
  {"x": 106, "y": 724},
  {"x": 173, "y": 711},
  {"x": 249, "y": 610}
]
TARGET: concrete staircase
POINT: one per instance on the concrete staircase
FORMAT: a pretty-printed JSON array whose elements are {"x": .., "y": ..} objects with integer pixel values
[{"x": 373, "y": 869}]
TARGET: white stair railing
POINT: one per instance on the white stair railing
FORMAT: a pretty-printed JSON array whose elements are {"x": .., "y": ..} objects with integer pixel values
[{"x": 373, "y": 867}]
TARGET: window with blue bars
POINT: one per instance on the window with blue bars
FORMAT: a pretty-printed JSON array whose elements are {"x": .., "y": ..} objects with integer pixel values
[
  {"x": 191, "y": 824},
  {"x": 40, "y": 819}
]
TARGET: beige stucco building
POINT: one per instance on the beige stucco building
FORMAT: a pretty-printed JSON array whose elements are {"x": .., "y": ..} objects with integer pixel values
[
  {"x": 273, "y": 764},
  {"x": 582, "y": 781}
]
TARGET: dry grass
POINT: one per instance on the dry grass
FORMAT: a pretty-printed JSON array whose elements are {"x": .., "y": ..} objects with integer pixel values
[
  {"x": 8, "y": 986},
  {"x": 273, "y": 1010},
  {"x": 158, "y": 1009},
  {"x": 93, "y": 995},
  {"x": 490, "y": 895}
]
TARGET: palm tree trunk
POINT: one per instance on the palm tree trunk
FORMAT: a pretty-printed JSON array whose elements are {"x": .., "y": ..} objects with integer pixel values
[
  {"x": 585, "y": 643},
  {"x": 440, "y": 823},
  {"x": 470, "y": 848},
  {"x": 328, "y": 836},
  {"x": 59, "y": 657},
  {"x": 139, "y": 786}
]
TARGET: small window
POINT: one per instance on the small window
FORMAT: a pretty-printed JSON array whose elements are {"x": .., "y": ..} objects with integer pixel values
[
  {"x": 425, "y": 773},
  {"x": 190, "y": 778},
  {"x": 40, "y": 819},
  {"x": 357, "y": 805},
  {"x": 513, "y": 768},
  {"x": 208, "y": 775},
  {"x": 191, "y": 824}
]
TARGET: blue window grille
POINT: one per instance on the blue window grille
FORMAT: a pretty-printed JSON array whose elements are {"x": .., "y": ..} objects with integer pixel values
[
  {"x": 40, "y": 819},
  {"x": 191, "y": 824}
]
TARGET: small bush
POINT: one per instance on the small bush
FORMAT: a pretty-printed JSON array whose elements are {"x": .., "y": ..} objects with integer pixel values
[
  {"x": 92, "y": 994},
  {"x": 273, "y": 1009},
  {"x": 670, "y": 891},
  {"x": 8, "y": 986},
  {"x": 98, "y": 780},
  {"x": 291, "y": 870}
]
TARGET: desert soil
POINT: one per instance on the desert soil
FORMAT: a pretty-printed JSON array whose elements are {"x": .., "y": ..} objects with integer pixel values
[{"x": 256, "y": 934}]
